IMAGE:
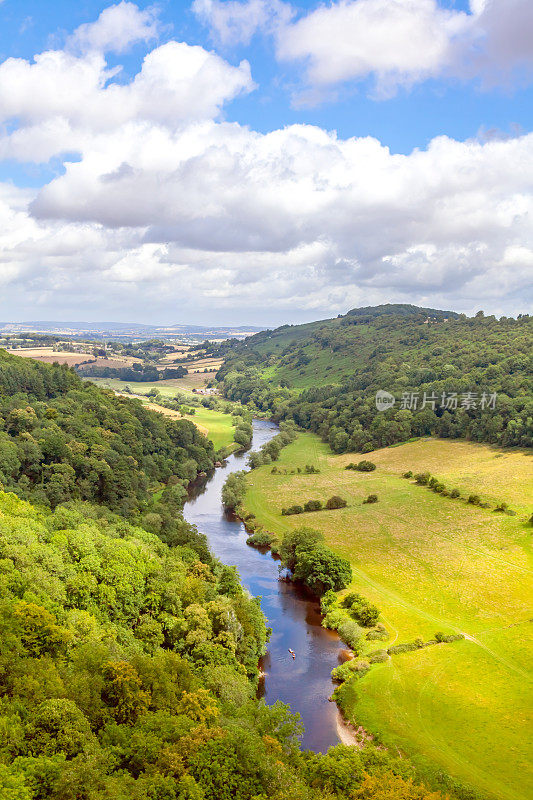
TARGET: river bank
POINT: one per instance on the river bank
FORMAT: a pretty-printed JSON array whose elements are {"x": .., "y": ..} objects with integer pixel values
[{"x": 305, "y": 681}]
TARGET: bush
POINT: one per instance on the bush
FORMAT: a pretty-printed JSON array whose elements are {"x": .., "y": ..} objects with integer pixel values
[
  {"x": 408, "y": 474},
  {"x": 501, "y": 508},
  {"x": 336, "y": 502},
  {"x": 349, "y": 669},
  {"x": 377, "y": 636},
  {"x": 378, "y": 656},
  {"x": 260, "y": 539},
  {"x": 351, "y": 633},
  {"x": 372, "y": 498},
  {"x": 455, "y": 493},
  {"x": 474, "y": 499},
  {"x": 452, "y": 637},
  {"x": 406, "y": 647},
  {"x": 313, "y": 505},
  {"x": 422, "y": 478},
  {"x": 296, "y": 509},
  {"x": 365, "y": 466},
  {"x": 361, "y": 609}
]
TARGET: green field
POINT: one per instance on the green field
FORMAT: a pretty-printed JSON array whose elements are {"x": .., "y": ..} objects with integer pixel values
[
  {"x": 167, "y": 388},
  {"x": 219, "y": 426},
  {"x": 431, "y": 564}
]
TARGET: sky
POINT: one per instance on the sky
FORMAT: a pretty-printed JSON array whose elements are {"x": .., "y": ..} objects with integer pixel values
[{"x": 264, "y": 162}]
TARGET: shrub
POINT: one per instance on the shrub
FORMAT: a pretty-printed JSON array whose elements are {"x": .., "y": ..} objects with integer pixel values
[
  {"x": 296, "y": 509},
  {"x": 362, "y": 466},
  {"x": 365, "y": 466},
  {"x": 451, "y": 637},
  {"x": 361, "y": 609},
  {"x": 313, "y": 505},
  {"x": 336, "y": 502},
  {"x": 377, "y": 636},
  {"x": 455, "y": 493},
  {"x": 408, "y": 474},
  {"x": 378, "y": 656},
  {"x": 372, "y": 498},
  {"x": 406, "y": 647},
  {"x": 260, "y": 539},
  {"x": 422, "y": 478},
  {"x": 349, "y": 669},
  {"x": 474, "y": 499},
  {"x": 328, "y": 601},
  {"x": 351, "y": 633},
  {"x": 501, "y": 507}
]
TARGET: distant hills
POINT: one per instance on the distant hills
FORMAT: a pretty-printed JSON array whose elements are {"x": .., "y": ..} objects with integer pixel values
[
  {"x": 127, "y": 330},
  {"x": 447, "y": 374}
]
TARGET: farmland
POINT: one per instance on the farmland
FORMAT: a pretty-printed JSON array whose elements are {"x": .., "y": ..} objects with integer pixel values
[
  {"x": 167, "y": 389},
  {"x": 431, "y": 563}
]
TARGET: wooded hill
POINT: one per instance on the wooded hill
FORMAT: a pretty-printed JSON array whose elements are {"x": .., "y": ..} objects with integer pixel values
[
  {"x": 64, "y": 439},
  {"x": 325, "y": 375}
]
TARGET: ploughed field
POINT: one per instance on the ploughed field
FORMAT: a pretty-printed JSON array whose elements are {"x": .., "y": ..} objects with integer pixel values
[{"x": 431, "y": 563}]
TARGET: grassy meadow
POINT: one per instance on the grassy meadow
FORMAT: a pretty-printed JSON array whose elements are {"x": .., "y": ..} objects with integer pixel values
[
  {"x": 168, "y": 388},
  {"x": 431, "y": 563}
]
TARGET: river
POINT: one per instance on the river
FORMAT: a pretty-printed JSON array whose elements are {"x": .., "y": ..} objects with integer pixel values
[{"x": 304, "y": 682}]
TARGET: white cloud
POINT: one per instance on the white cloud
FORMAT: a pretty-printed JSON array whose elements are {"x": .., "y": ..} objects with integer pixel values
[
  {"x": 397, "y": 42},
  {"x": 60, "y": 100},
  {"x": 116, "y": 29},
  {"x": 232, "y": 22},
  {"x": 170, "y": 210}
]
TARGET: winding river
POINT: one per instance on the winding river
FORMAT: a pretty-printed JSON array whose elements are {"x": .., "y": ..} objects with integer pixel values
[{"x": 303, "y": 682}]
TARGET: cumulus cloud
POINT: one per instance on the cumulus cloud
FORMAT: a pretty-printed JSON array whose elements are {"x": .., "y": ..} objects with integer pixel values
[
  {"x": 116, "y": 29},
  {"x": 60, "y": 100},
  {"x": 397, "y": 42},
  {"x": 169, "y": 210}
]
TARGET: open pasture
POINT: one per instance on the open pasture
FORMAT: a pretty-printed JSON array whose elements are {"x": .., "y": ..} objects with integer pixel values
[
  {"x": 431, "y": 563},
  {"x": 167, "y": 388}
]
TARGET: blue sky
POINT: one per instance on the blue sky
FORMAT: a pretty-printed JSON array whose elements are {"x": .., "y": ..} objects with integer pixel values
[
  {"x": 460, "y": 109},
  {"x": 468, "y": 78}
]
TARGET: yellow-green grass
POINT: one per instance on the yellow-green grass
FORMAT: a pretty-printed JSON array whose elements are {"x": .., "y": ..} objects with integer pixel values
[
  {"x": 167, "y": 389},
  {"x": 219, "y": 426},
  {"x": 431, "y": 563}
]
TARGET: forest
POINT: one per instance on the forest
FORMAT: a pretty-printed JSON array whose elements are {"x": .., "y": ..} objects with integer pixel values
[
  {"x": 129, "y": 658},
  {"x": 450, "y": 376}
]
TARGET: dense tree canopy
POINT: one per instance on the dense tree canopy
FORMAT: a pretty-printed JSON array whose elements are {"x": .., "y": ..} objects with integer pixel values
[
  {"x": 441, "y": 368},
  {"x": 63, "y": 439}
]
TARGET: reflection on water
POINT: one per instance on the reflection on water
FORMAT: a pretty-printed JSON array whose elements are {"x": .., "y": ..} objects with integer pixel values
[{"x": 303, "y": 682}]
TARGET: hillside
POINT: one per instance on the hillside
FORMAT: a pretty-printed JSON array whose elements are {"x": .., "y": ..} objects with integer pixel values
[
  {"x": 64, "y": 439},
  {"x": 430, "y": 562},
  {"x": 449, "y": 375}
]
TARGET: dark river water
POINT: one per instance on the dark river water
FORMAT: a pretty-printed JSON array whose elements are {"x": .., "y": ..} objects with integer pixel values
[{"x": 303, "y": 682}]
